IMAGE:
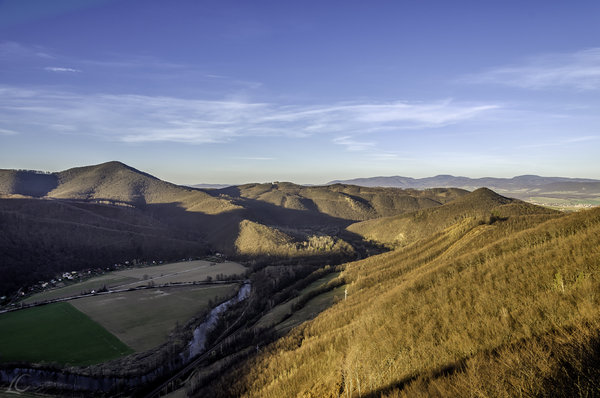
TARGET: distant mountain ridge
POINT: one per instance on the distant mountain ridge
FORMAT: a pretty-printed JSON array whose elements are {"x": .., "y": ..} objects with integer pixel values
[
  {"x": 447, "y": 181},
  {"x": 520, "y": 186}
]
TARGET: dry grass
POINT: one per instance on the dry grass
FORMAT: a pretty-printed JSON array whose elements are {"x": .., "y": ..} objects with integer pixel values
[
  {"x": 471, "y": 290},
  {"x": 278, "y": 313},
  {"x": 143, "y": 319}
]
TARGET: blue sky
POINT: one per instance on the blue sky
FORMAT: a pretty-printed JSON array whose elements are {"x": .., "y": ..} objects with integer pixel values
[{"x": 303, "y": 91}]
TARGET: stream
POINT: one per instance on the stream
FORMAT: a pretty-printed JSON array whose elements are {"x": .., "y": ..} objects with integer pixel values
[
  {"x": 35, "y": 378},
  {"x": 197, "y": 345}
]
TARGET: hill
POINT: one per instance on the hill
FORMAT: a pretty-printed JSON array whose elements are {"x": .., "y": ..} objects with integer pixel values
[
  {"x": 344, "y": 202},
  {"x": 39, "y": 238},
  {"x": 111, "y": 212},
  {"x": 468, "y": 308},
  {"x": 482, "y": 205}
]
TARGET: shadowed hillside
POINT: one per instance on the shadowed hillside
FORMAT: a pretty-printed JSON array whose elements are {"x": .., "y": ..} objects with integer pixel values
[
  {"x": 469, "y": 308},
  {"x": 40, "y": 238},
  {"x": 27, "y": 183}
]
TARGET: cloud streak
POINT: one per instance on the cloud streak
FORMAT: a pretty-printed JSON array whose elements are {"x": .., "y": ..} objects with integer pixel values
[
  {"x": 7, "y": 132},
  {"x": 61, "y": 70},
  {"x": 352, "y": 145},
  {"x": 579, "y": 71},
  {"x": 139, "y": 118}
]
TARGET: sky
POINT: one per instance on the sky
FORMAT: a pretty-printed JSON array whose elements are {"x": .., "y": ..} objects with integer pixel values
[{"x": 305, "y": 91}]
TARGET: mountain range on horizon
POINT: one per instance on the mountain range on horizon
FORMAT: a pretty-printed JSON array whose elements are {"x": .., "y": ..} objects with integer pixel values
[{"x": 522, "y": 187}]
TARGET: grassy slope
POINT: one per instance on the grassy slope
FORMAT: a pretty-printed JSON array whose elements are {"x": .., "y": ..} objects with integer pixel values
[
  {"x": 56, "y": 333},
  {"x": 119, "y": 182},
  {"x": 466, "y": 294},
  {"x": 278, "y": 313}
]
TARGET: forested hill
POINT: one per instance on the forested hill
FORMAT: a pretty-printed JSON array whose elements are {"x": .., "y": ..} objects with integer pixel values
[{"x": 97, "y": 215}]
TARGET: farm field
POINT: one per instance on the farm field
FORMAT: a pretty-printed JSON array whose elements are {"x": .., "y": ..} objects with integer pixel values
[
  {"x": 185, "y": 271},
  {"x": 144, "y": 318},
  {"x": 279, "y": 312},
  {"x": 56, "y": 333}
]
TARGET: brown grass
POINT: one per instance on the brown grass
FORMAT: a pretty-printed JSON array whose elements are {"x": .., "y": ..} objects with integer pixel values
[
  {"x": 471, "y": 290},
  {"x": 142, "y": 319}
]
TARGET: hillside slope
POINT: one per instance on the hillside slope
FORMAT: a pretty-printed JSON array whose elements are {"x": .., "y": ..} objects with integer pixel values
[
  {"x": 40, "y": 238},
  {"x": 513, "y": 302},
  {"x": 345, "y": 202},
  {"x": 482, "y": 204}
]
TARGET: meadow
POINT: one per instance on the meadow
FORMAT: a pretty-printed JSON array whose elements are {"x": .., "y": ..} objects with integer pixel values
[
  {"x": 185, "y": 271},
  {"x": 56, "y": 333},
  {"x": 143, "y": 319}
]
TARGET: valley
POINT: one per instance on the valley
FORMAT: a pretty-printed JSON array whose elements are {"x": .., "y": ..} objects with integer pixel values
[{"x": 346, "y": 290}]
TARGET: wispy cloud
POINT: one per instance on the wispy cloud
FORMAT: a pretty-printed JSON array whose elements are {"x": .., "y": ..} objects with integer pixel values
[
  {"x": 352, "y": 145},
  {"x": 139, "y": 118},
  {"x": 61, "y": 70},
  {"x": 258, "y": 158},
  {"x": 579, "y": 71},
  {"x": 7, "y": 132},
  {"x": 562, "y": 141},
  {"x": 11, "y": 49}
]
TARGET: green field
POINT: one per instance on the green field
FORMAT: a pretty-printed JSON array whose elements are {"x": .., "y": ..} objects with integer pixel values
[
  {"x": 143, "y": 319},
  {"x": 185, "y": 271},
  {"x": 56, "y": 333}
]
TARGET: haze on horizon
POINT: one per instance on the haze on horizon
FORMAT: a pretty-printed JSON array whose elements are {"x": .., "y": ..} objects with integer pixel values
[{"x": 233, "y": 91}]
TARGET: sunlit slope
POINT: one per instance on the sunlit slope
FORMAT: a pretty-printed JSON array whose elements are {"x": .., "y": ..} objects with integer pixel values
[
  {"x": 466, "y": 294},
  {"x": 256, "y": 239},
  {"x": 115, "y": 181},
  {"x": 482, "y": 204}
]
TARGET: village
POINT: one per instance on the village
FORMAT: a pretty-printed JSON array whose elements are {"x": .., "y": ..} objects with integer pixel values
[{"x": 67, "y": 278}]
